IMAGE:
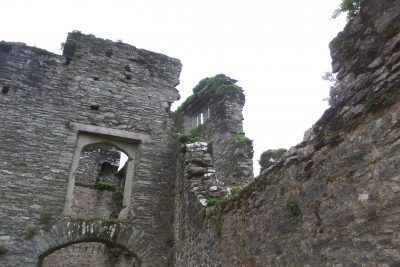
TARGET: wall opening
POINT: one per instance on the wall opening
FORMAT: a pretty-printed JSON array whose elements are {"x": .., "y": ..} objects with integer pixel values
[
  {"x": 5, "y": 89},
  {"x": 99, "y": 182},
  {"x": 87, "y": 254}
]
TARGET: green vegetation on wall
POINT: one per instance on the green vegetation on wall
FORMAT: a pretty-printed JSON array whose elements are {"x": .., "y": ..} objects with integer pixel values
[
  {"x": 352, "y": 7},
  {"x": 239, "y": 138},
  {"x": 293, "y": 210},
  {"x": 3, "y": 249},
  {"x": 220, "y": 84},
  {"x": 194, "y": 135}
]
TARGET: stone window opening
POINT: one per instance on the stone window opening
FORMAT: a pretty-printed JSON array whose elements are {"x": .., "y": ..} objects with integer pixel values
[
  {"x": 5, "y": 89},
  {"x": 197, "y": 117},
  {"x": 123, "y": 141},
  {"x": 99, "y": 181}
]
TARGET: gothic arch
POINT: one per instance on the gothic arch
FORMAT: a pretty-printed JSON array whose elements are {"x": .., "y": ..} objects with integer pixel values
[{"x": 84, "y": 140}]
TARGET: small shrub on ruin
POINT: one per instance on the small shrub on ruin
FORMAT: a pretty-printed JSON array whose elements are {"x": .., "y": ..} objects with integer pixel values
[
  {"x": 235, "y": 190},
  {"x": 220, "y": 84},
  {"x": 239, "y": 138},
  {"x": 226, "y": 88},
  {"x": 332, "y": 138},
  {"x": 118, "y": 194},
  {"x": 351, "y": 7},
  {"x": 213, "y": 201},
  {"x": 293, "y": 210},
  {"x": 104, "y": 186},
  {"x": 194, "y": 135},
  {"x": 30, "y": 232}
]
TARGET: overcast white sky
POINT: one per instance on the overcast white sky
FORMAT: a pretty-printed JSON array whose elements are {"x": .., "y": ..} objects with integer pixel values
[{"x": 278, "y": 50}]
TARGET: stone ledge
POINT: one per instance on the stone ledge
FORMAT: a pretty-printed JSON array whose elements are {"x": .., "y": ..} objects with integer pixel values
[{"x": 131, "y": 136}]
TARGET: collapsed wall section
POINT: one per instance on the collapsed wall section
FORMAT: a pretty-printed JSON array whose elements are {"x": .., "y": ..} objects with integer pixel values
[
  {"x": 107, "y": 92},
  {"x": 334, "y": 198},
  {"x": 215, "y": 161},
  {"x": 214, "y": 113}
]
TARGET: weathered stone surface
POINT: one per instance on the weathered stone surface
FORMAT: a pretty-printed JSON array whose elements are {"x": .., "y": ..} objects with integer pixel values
[
  {"x": 219, "y": 118},
  {"x": 332, "y": 200},
  {"x": 97, "y": 83}
]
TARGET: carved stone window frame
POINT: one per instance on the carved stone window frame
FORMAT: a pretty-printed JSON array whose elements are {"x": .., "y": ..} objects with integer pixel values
[{"x": 126, "y": 141}]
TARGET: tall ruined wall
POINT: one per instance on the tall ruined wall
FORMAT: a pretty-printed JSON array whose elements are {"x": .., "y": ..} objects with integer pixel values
[
  {"x": 219, "y": 103},
  {"x": 332, "y": 200},
  {"x": 47, "y": 103}
]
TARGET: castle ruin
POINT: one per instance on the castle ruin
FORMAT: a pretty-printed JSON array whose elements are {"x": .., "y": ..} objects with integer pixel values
[{"x": 186, "y": 195}]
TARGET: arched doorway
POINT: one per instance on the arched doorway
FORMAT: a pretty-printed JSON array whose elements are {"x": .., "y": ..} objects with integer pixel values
[{"x": 89, "y": 254}]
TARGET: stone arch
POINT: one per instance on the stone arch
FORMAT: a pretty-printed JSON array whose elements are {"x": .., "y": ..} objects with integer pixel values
[
  {"x": 74, "y": 231},
  {"x": 129, "y": 148}
]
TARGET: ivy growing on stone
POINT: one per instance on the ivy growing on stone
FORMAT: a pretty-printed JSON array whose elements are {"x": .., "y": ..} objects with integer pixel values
[
  {"x": 239, "y": 138},
  {"x": 220, "y": 84},
  {"x": 194, "y": 135},
  {"x": 352, "y": 7},
  {"x": 293, "y": 210},
  {"x": 104, "y": 186},
  {"x": 235, "y": 190}
]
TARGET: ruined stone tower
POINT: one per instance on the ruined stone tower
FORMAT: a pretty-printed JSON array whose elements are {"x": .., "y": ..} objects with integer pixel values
[
  {"x": 65, "y": 121},
  {"x": 186, "y": 195}
]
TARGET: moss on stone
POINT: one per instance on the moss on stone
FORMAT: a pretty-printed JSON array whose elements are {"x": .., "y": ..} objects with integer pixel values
[
  {"x": 383, "y": 100},
  {"x": 101, "y": 185},
  {"x": 293, "y": 210},
  {"x": 30, "y": 232},
  {"x": 194, "y": 135},
  {"x": 239, "y": 138},
  {"x": 3, "y": 249},
  {"x": 220, "y": 84},
  {"x": 235, "y": 190}
]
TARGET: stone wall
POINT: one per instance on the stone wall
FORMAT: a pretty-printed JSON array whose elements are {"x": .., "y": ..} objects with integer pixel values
[
  {"x": 88, "y": 255},
  {"x": 98, "y": 184},
  {"x": 103, "y": 90},
  {"x": 222, "y": 112},
  {"x": 332, "y": 200}
]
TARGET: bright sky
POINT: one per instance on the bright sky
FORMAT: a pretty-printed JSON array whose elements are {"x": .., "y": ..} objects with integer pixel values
[{"x": 278, "y": 50}]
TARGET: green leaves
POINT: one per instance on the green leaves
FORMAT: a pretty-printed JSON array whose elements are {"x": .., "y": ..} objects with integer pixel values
[{"x": 352, "y": 7}]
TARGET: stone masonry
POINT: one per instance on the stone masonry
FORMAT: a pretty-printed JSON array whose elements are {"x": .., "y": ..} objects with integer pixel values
[
  {"x": 52, "y": 106},
  {"x": 333, "y": 199}
]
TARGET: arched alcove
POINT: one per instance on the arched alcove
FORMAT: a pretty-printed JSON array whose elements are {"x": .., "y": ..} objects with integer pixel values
[
  {"x": 97, "y": 187},
  {"x": 88, "y": 253}
]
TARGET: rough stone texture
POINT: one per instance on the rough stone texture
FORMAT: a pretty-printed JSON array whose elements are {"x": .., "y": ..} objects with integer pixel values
[
  {"x": 190, "y": 226},
  {"x": 99, "y": 162},
  {"x": 90, "y": 254},
  {"x": 232, "y": 160},
  {"x": 332, "y": 200},
  {"x": 270, "y": 157},
  {"x": 96, "y": 82}
]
